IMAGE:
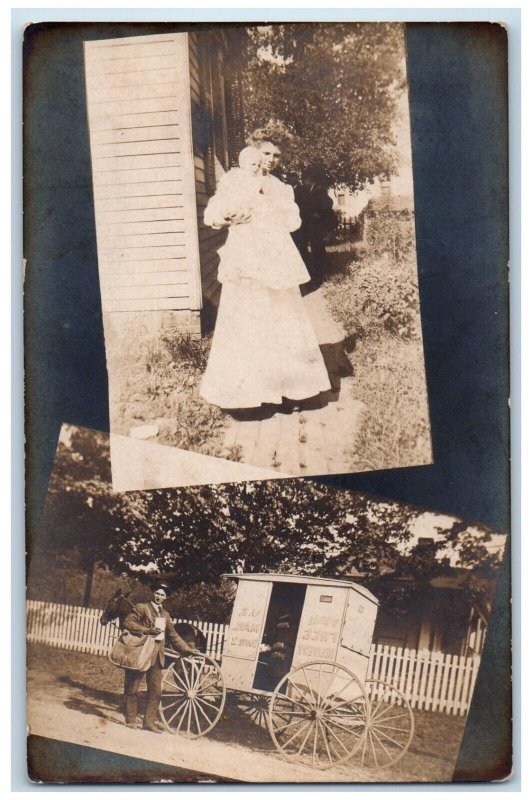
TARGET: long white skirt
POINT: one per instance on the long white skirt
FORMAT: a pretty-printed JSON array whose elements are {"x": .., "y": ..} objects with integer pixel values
[{"x": 264, "y": 348}]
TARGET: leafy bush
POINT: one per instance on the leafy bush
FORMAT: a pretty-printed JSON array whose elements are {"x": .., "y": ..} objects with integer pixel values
[
  {"x": 390, "y": 233},
  {"x": 376, "y": 297}
]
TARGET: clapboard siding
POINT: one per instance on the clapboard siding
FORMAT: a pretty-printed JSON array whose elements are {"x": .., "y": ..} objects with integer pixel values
[
  {"x": 144, "y": 135},
  {"x": 114, "y": 280},
  {"x": 135, "y": 78},
  {"x": 144, "y": 216},
  {"x": 128, "y": 267},
  {"x": 107, "y": 207},
  {"x": 149, "y": 304},
  {"x": 139, "y": 111}
]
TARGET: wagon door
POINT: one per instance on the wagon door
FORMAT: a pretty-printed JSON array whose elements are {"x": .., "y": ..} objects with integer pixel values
[
  {"x": 357, "y": 634},
  {"x": 245, "y": 633},
  {"x": 321, "y": 624}
]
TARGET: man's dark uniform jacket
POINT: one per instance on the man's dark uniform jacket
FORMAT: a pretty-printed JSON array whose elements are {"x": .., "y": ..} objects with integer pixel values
[{"x": 141, "y": 620}]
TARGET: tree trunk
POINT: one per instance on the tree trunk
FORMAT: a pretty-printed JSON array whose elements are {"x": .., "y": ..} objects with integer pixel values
[{"x": 88, "y": 584}]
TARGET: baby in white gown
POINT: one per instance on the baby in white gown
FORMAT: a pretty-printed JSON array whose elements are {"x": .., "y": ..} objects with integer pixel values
[{"x": 260, "y": 248}]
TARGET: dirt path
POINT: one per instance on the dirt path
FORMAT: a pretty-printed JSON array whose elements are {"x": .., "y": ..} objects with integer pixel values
[
  {"x": 75, "y": 697},
  {"x": 318, "y": 439},
  {"x": 55, "y": 716}
]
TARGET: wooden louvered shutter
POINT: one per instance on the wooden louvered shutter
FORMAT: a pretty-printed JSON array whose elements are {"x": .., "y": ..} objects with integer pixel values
[{"x": 138, "y": 100}]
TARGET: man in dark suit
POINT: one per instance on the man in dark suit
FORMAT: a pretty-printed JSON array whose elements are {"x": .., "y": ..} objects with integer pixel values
[
  {"x": 317, "y": 217},
  {"x": 150, "y": 619}
]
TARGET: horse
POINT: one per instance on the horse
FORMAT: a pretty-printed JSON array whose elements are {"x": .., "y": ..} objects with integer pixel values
[{"x": 119, "y": 606}]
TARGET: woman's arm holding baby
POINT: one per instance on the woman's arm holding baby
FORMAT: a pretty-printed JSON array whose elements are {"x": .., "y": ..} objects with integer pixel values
[{"x": 223, "y": 209}]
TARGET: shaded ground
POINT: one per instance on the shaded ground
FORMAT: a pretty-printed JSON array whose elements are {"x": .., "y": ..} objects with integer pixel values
[
  {"x": 366, "y": 317},
  {"x": 76, "y": 697},
  {"x": 375, "y": 300}
]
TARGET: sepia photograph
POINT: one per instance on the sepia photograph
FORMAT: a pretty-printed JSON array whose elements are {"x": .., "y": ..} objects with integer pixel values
[
  {"x": 247, "y": 199},
  {"x": 273, "y": 631},
  {"x": 266, "y": 390}
]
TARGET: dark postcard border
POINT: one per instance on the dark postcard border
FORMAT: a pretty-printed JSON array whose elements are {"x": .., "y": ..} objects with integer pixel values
[{"x": 458, "y": 101}]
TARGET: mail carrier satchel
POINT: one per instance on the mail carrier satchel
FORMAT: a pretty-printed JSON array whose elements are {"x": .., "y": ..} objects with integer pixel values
[{"x": 132, "y": 652}]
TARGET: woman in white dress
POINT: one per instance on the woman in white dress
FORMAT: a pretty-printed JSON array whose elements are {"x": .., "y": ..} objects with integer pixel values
[{"x": 264, "y": 348}]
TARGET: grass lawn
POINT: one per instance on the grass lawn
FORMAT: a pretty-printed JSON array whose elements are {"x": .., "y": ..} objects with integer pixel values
[
  {"x": 376, "y": 302},
  {"x": 158, "y": 383}
]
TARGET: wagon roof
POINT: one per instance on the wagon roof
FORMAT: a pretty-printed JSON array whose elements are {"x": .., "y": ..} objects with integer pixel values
[{"x": 283, "y": 578}]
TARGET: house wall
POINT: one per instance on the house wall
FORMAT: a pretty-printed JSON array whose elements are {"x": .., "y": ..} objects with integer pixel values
[
  {"x": 216, "y": 137},
  {"x": 139, "y": 114}
]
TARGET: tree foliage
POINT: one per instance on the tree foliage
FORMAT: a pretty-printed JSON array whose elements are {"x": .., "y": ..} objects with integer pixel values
[
  {"x": 193, "y": 536},
  {"x": 335, "y": 87}
]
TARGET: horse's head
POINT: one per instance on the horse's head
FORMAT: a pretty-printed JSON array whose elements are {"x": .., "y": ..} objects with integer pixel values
[{"x": 117, "y": 606}]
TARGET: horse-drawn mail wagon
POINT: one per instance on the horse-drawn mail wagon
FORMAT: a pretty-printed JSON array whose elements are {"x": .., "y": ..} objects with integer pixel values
[{"x": 297, "y": 651}]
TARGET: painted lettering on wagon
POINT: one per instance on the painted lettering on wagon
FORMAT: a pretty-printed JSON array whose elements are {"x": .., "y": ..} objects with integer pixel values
[
  {"x": 250, "y": 627},
  {"x": 319, "y": 636},
  {"x": 312, "y": 651},
  {"x": 235, "y": 641},
  {"x": 326, "y": 620},
  {"x": 246, "y": 611}
]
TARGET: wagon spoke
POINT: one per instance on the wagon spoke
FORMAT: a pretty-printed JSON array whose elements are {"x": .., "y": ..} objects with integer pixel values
[
  {"x": 281, "y": 728},
  {"x": 309, "y": 686},
  {"x": 189, "y": 720},
  {"x": 316, "y": 728},
  {"x": 294, "y": 701},
  {"x": 311, "y": 725},
  {"x": 297, "y": 733},
  {"x": 381, "y": 733},
  {"x": 324, "y": 736},
  {"x": 373, "y": 711},
  {"x": 169, "y": 705},
  {"x": 381, "y": 725},
  {"x": 356, "y": 723},
  {"x": 342, "y": 727},
  {"x": 206, "y": 686},
  {"x": 200, "y": 708},
  {"x": 364, "y": 745},
  {"x": 375, "y": 759},
  {"x": 296, "y": 687},
  {"x": 336, "y": 737},
  {"x": 173, "y": 682},
  {"x": 382, "y": 715},
  {"x": 194, "y": 709},
  {"x": 318, "y": 699},
  {"x": 388, "y": 756},
  {"x": 212, "y": 689},
  {"x": 194, "y": 673},
  {"x": 186, "y": 681},
  {"x": 351, "y": 701},
  {"x": 206, "y": 702},
  {"x": 182, "y": 706}
]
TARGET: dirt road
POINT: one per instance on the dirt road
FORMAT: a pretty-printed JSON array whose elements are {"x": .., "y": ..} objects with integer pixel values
[{"x": 75, "y": 697}]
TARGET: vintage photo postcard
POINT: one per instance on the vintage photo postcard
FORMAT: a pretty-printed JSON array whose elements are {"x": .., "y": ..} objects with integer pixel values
[
  {"x": 246, "y": 199},
  {"x": 274, "y": 631}
]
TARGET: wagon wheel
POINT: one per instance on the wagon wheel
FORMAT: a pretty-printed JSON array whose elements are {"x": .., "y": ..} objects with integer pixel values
[
  {"x": 318, "y": 714},
  {"x": 193, "y": 696},
  {"x": 254, "y": 706},
  {"x": 390, "y": 729}
]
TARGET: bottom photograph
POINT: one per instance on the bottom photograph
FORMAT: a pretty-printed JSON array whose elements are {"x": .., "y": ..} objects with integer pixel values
[{"x": 280, "y": 631}]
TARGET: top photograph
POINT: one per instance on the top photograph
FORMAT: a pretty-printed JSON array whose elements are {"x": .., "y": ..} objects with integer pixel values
[{"x": 246, "y": 198}]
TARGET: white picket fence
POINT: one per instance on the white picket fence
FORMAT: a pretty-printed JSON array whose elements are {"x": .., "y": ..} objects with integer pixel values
[{"x": 431, "y": 681}]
